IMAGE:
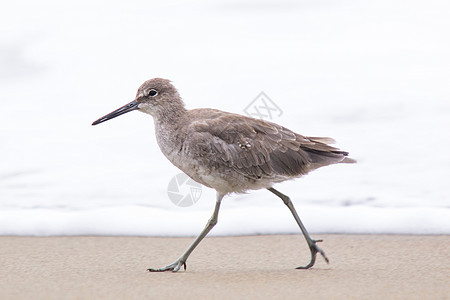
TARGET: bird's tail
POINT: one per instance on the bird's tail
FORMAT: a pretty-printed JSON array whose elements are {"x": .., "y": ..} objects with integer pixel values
[
  {"x": 348, "y": 160},
  {"x": 322, "y": 154}
]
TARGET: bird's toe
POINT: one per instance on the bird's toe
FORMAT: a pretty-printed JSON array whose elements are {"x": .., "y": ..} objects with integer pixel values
[
  {"x": 314, "y": 250},
  {"x": 174, "y": 267}
]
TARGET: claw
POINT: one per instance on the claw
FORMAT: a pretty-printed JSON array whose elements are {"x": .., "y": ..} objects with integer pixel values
[
  {"x": 174, "y": 267},
  {"x": 314, "y": 250}
]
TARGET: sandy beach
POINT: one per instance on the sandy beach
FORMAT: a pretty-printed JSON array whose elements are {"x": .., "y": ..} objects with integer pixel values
[{"x": 253, "y": 267}]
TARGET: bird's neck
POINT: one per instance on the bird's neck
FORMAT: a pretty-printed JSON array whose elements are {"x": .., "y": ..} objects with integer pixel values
[
  {"x": 169, "y": 110},
  {"x": 170, "y": 133},
  {"x": 169, "y": 118},
  {"x": 170, "y": 115}
]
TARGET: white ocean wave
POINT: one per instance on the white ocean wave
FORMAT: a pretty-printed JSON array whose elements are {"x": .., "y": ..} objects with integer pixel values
[{"x": 374, "y": 76}]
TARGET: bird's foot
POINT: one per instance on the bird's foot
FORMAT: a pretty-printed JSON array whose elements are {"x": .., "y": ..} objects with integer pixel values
[
  {"x": 314, "y": 250},
  {"x": 174, "y": 267}
]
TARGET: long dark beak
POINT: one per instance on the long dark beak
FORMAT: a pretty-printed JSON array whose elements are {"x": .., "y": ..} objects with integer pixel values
[{"x": 133, "y": 105}]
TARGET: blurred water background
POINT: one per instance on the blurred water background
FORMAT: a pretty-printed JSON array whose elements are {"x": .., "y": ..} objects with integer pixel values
[{"x": 374, "y": 75}]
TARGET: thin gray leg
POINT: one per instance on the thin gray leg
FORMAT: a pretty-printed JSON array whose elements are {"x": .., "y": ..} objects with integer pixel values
[
  {"x": 311, "y": 243},
  {"x": 174, "y": 267}
]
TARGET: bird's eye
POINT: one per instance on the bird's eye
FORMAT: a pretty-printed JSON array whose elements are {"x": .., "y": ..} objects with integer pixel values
[{"x": 152, "y": 93}]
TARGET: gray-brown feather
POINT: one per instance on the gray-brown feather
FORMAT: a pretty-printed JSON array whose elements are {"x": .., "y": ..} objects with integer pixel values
[{"x": 256, "y": 148}]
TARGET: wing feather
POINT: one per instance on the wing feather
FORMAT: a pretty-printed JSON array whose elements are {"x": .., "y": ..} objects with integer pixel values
[{"x": 257, "y": 148}]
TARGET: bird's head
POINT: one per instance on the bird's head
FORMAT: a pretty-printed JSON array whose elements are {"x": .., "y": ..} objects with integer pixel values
[{"x": 157, "y": 97}]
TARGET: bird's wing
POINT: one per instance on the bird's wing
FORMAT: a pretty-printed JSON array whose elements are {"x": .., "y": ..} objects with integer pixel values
[{"x": 257, "y": 148}]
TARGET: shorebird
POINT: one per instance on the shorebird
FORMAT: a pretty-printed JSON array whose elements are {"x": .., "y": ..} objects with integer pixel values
[{"x": 228, "y": 152}]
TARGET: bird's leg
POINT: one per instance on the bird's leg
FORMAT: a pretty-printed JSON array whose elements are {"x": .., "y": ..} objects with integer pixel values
[
  {"x": 311, "y": 243},
  {"x": 181, "y": 261}
]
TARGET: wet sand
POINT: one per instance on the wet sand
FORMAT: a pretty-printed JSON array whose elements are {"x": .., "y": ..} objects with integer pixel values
[{"x": 252, "y": 267}]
